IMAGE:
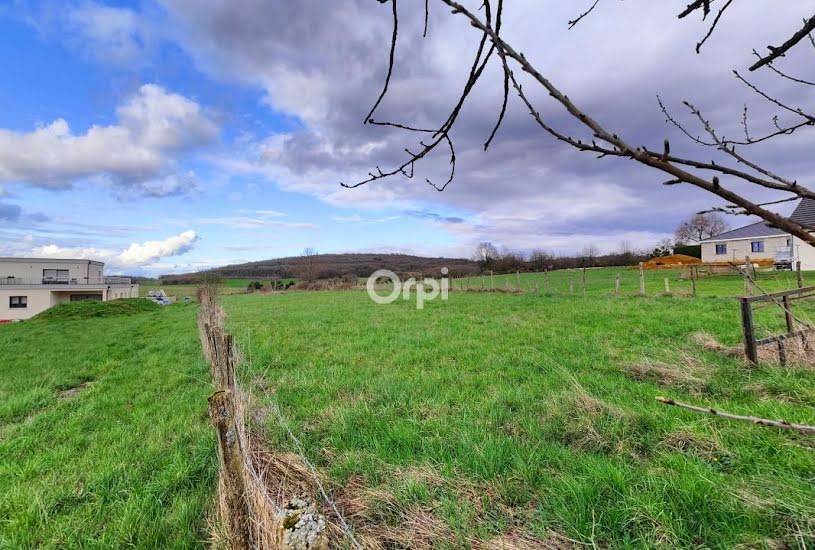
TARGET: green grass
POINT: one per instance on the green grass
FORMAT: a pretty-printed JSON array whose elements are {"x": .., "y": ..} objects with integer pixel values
[
  {"x": 529, "y": 398},
  {"x": 90, "y": 308},
  {"x": 230, "y": 286},
  {"x": 104, "y": 439}
]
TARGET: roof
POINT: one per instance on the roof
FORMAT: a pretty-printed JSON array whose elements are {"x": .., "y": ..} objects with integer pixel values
[
  {"x": 48, "y": 260},
  {"x": 759, "y": 229},
  {"x": 804, "y": 214}
]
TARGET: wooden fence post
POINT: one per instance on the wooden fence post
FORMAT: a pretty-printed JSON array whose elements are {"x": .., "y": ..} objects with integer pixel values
[
  {"x": 546, "y": 281},
  {"x": 617, "y": 285},
  {"x": 222, "y": 413},
  {"x": 492, "y": 279},
  {"x": 642, "y": 280},
  {"x": 583, "y": 275},
  {"x": 694, "y": 272},
  {"x": 571, "y": 282},
  {"x": 785, "y": 301},
  {"x": 750, "y": 352},
  {"x": 800, "y": 274},
  {"x": 518, "y": 279},
  {"x": 667, "y": 286},
  {"x": 748, "y": 289}
]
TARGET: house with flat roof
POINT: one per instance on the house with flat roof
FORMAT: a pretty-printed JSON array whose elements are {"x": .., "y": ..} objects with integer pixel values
[
  {"x": 31, "y": 285},
  {"x": 764, "y": 243}
]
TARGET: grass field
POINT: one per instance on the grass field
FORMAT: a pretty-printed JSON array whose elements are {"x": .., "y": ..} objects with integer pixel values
[
  {"x": 494, "y": 415},
  {"x": 104, "y": 439},
  {"x": 230, "y": 286}
]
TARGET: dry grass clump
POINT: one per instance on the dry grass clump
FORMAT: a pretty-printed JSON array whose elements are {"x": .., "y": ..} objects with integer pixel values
[
  {"x": 798, "y": 351},
  {"x": 685, "y": 375},
  {"x": 701, "y": 446},
  {"x": 588, "y": 424},
  {"x": 519, "y": 540},
  {"x": 382, "y": 522},
  {"x": 708, "y": 342}
]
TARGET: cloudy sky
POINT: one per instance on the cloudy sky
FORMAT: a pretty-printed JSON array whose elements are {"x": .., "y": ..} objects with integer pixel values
[{"x": 172, "y": 135}]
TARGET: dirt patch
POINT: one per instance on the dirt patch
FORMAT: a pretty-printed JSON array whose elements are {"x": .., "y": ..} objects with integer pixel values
[
  {"x": 73, "y": 391},
  {"x": 671, "y": 262}
]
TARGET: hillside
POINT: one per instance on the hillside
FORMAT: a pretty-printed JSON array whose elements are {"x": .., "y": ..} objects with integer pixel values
[{"x": 336, "y": 265}]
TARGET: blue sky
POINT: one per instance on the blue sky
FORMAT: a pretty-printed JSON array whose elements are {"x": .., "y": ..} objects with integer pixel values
[{"x": 173, "y": 135}]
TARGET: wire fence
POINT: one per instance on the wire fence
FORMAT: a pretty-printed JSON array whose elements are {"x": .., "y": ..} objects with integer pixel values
[{"x": 261, "y": 498}]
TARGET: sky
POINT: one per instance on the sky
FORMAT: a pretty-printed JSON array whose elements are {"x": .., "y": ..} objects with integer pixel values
[{"x": 167, "y": 136}]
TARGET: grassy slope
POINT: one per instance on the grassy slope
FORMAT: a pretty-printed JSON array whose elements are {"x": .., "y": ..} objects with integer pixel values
[
  {"x": 129, "y": 461},
  {"x": 526, "y": 396}
]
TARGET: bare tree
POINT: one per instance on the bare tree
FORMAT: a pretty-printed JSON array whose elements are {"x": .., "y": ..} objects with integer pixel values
[
  {"x": 486, "y": 255},
  {"x": 742, "y": 176},
  {"x": 589, "y": 254},
  {"x": 310, "y": 264},
  {"x": 626, "y": 252},
  {"x": 540, "y": 260},
  {"x": 700, "y": 227}
]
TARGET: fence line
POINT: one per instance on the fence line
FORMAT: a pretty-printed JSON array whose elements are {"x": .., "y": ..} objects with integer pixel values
[{"x": 251, "y": 517}]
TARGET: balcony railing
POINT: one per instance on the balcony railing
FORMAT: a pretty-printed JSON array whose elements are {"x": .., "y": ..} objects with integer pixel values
[{"x": 71, "y": 282}]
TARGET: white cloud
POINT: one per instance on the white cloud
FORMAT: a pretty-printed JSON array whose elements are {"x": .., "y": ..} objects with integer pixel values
[
  {"x": 112, "y": 34},
  {"x": 153, "y": 125},
  {"x": 135, "y": 256}
]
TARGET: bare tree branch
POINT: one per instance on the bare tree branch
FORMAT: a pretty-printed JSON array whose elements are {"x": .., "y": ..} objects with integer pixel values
[
  {"x": 713, "y": 26},
  {"x": 776, "y": 52},
  {"x": 577, "y": 20}
]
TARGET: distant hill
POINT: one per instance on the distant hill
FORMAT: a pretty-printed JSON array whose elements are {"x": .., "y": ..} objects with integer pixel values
[{"x": 336, "y": 265}]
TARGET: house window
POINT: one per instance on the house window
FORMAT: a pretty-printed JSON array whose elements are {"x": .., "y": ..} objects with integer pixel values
[
  {"x": 757, "y": 246},
  {"x": 16, "y": 302},
  {"x": 55, "y": 275},
  {"x": 721, "y": 249},
  {"x": 789, "y": 242},
  {"x": 86, "y": 297}
]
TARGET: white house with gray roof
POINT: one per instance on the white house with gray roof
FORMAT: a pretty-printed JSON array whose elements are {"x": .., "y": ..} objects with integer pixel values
[{"x": 761, "y": 241}]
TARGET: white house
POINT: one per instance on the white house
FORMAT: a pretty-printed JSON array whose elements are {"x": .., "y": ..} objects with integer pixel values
[
  {"x": 762, "y": 242},
  {"x": 31, "y": 285}
]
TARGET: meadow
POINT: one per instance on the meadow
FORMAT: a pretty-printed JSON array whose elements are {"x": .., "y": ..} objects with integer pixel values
[
  {"x": 104, "y": 437},
  {"x": 493, "y": 418},
  {"x": 532, "y": 416}
]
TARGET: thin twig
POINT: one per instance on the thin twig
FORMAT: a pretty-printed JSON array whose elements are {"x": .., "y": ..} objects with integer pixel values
[{"x": 802, "y": 428}]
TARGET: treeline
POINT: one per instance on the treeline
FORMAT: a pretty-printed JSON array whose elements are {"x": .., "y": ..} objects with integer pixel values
[
  {"x": 333, "y": 266},
  {"x": 489, "y": 258}
]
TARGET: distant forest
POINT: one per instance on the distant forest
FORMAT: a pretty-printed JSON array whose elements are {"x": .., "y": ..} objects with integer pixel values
[{"x": 330, "y": 266}]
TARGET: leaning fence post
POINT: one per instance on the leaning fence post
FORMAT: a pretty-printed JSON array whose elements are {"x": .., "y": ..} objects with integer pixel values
[
  {"x": 800, "y": 274},
  {"x": 642, "y": 280},
  {"x": 750, "y": 351},
  {"x": 222, "y": 413}
]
